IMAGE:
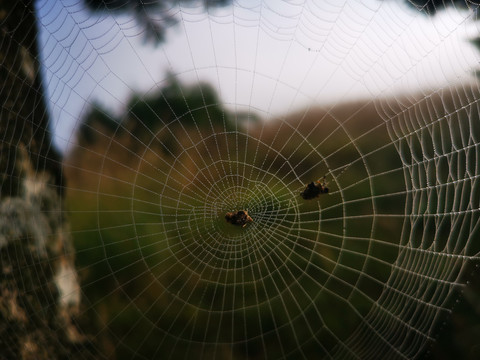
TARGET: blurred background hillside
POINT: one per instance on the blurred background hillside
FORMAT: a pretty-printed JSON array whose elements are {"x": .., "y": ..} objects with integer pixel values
[{"x": 128, "y": 176}]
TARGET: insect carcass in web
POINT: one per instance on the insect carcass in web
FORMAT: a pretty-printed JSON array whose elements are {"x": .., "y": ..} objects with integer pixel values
[
  {"x": 315, "y": 189},
  {"x": 240, "y": 217}
]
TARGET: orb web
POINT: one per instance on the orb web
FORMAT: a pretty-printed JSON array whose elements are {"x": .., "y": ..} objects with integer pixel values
[{"x": 372, "y": 268}]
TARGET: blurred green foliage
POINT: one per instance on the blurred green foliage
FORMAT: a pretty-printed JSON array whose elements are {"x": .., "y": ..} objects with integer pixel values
[
  {"x": 148, "y": 189},
  {"x": 154, "y": 16}
]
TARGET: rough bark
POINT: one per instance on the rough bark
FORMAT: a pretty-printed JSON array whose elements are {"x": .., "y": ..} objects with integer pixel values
[{"x": 39, "y": 290}]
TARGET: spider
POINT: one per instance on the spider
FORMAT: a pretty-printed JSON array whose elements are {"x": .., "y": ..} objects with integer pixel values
[
  {"x": 314, "y": 189},
  {"x": 239, "y": 217}
]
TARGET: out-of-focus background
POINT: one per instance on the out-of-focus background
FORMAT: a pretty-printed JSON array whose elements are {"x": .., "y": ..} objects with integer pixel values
[{"x": 168, "y": 115}]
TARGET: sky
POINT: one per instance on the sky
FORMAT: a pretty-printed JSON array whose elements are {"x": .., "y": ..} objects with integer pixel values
[{"x": 268, "y": 57}]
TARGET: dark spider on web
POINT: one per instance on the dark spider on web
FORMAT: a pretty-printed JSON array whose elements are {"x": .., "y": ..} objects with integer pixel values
[
  {"x": 314, "y": 189},
  {"x": 240, "y": 217}
]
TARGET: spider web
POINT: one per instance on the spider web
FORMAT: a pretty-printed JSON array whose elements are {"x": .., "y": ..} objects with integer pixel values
[{"x": 297, "y": 91}]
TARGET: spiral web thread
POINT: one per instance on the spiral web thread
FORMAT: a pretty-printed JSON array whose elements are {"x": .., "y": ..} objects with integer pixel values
[{"x": 373, "y": 268}]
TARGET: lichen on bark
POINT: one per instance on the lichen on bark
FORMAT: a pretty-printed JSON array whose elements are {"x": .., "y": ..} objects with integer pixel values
[{"x": 39, "y": 290}]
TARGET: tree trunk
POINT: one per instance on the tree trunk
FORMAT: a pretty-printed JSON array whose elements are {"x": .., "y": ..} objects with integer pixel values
[{"x": 39, "y": 290}]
